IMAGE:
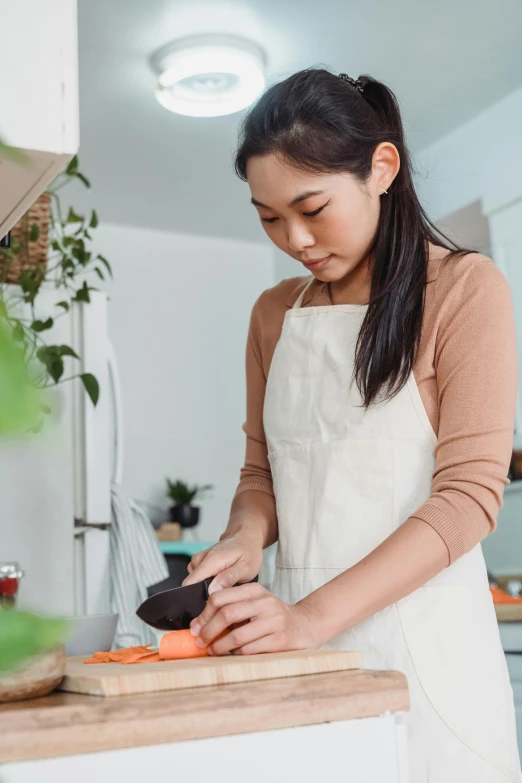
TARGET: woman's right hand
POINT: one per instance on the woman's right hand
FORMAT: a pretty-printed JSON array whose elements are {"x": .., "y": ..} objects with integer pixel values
[{"x": 236, "y": 558}]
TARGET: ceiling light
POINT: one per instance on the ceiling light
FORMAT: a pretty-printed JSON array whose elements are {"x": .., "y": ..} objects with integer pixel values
[{"x": 209, "y": 75}]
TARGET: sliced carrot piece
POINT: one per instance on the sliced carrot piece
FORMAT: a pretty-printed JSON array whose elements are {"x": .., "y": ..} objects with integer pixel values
[
  {"x": 152, "y": 657},
  {"x": 123, "y": 655},
  {"x": 180, "y": 644}
]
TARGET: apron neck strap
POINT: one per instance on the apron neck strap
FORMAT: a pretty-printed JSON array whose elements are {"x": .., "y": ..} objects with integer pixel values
[{"x": 300, "y": 298}]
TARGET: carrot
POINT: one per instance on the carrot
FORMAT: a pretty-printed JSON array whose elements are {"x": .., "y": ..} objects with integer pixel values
[
  {"x": 501, "y": 597},
  {"x": 124, "y": 655},
  {"x": 151, "y": 657},
  {"x": 180, "y": 644},
  {"x": 174, "y": 645}
]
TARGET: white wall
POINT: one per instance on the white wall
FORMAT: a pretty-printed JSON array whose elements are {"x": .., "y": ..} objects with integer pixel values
[
  {"x": 178, "y": 319},
  {"x": 480, "y": 160},
  {"x": 286, "y": 267}
]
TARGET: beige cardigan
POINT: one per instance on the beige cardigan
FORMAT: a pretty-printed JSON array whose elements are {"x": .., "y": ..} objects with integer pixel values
[{"x": 466, "y": 371}]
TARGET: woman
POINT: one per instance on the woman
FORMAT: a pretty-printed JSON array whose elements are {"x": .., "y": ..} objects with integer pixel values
[{"x": 380, "y": 410}]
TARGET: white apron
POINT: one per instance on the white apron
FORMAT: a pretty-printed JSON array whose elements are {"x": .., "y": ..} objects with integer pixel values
[{"x": 344, "y": 479}]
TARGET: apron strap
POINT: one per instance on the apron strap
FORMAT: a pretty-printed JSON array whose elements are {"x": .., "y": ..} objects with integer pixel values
[{"x": 300, "y": 298}]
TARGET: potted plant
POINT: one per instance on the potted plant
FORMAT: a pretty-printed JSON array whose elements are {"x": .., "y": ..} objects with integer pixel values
[
  {"x": 49, "y": 248},
  {"x": 32, "y": 658},
  {"x": 182, "y": 496}
]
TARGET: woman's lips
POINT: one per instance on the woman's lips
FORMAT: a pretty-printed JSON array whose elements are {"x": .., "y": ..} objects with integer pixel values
[{"x": 316, "y": 264}]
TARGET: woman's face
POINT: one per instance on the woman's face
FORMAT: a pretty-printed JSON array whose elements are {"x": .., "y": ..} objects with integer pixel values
[{"x": 325, "y": 221}]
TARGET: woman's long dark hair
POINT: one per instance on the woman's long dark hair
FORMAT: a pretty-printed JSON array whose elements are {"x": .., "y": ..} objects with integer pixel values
[{"x": 322, "y": 123}]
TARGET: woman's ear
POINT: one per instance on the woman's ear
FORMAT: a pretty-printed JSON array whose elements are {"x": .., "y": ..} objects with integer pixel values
[{"x": 386, "y": 163}]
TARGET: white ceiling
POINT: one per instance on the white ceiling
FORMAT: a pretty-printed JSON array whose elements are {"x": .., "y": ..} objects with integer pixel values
[{"x": 447, "y": 60}]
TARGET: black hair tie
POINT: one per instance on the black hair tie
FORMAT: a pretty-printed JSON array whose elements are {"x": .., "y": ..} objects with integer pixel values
[{"x": 357, "y": 83}]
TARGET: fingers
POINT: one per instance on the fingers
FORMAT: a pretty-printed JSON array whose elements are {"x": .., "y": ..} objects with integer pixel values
[
  {"x": 257, "y": 635},
  {"x": 235, "y": 614},
  {"x": 208, "y": 563},
  {"x": 264, "y": 644},
  {"x": 229, "y": 577},
  {"x": 225, "y": 598}
]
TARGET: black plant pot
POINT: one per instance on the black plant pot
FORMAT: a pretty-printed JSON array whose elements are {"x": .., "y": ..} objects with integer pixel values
[{"x": 185, "y": 514}]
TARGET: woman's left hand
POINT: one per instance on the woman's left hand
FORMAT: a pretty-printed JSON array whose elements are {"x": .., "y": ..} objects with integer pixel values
[{"x": 258, "y": 622}]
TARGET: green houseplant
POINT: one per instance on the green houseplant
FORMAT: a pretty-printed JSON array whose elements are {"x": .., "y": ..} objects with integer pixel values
[
  {"x": 182, "y": 496},
  {"x": 28, "y": 643},
  {"x": 69, "y": 264}
]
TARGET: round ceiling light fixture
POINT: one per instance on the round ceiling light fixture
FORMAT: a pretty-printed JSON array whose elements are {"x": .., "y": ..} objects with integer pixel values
[{"x": 209, "y": 75}]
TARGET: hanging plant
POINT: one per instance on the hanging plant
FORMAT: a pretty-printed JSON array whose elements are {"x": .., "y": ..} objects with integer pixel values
[{"x": 63, "y": 259}]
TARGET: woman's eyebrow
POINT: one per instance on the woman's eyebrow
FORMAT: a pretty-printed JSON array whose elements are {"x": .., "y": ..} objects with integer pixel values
[{"x": 296, "y": 200}]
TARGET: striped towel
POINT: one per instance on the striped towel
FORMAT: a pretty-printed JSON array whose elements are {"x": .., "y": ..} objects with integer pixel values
[{"x": 136, "y": 562}]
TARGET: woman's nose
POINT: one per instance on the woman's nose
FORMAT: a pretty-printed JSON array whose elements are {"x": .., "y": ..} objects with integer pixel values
[{"x": 299, "y": 238}]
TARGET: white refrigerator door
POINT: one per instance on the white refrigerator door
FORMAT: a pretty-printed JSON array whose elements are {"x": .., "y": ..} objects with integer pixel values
[
  {"x": 98, "y": 434},
  {"x": 94, "y": 469}
]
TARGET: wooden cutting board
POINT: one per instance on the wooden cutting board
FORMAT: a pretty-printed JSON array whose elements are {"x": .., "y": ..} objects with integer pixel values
[
  {"x": 509, "y": 613},
  {"x": 116, "y": 679}
]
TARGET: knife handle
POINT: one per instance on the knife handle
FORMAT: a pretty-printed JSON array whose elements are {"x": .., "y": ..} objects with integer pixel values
[{"x": 208, "y": 582}]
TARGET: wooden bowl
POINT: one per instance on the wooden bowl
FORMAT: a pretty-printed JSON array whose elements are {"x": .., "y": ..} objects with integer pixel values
[{"x": 35, "y": 677}]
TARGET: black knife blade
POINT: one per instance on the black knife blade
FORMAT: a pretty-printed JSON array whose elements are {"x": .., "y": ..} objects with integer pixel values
[{"x": 174, "y": 610}]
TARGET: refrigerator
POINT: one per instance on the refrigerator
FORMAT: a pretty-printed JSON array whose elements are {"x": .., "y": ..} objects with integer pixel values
[{"x": 55, "y": 486}]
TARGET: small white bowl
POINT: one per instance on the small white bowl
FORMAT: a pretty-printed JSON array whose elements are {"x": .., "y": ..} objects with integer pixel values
[{"x": 91, "y": 633}]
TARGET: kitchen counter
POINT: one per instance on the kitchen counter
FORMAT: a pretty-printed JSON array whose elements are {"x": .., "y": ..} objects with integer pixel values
[{"x": 64, "y": 724}]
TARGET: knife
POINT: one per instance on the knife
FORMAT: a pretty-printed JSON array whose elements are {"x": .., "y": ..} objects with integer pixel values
[{"x": 173, "y": 610}]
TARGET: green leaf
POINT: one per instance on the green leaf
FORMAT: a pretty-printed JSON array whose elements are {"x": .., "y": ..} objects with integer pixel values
[
  {"x": 55, "y": 368},
  {"x": 82, "y": 295},
  {"x": 37, "y": 427},
  {"x": 43, "y": 352},
  {"x": 105, "y": 263},
  {"x": 44, "y": 408},
  {"x": 72, "y": 168},
  {"x": 66, "y": 351},
  {"x": 30, "y": 282},
  {"x": 65, "y": 305},
  {"x": 19, "y": 399},
  {"x": 18, "y": 332},
  {"x": 83, "y": 179},
  {"x": 24, "y": 635},
  {"x": 50, "y": 356},
  {"x": 3, "y": 309},
  {"x": 34, "y": 233},
  {"x": 41, "y": 326},
  {"x": 80, "y": 255},
  {"x": 99, "y": 273},
  {"x": 92, "y": 386},
  {"x": 72, "y": 217},
  {"x": 94, "y": 219}
]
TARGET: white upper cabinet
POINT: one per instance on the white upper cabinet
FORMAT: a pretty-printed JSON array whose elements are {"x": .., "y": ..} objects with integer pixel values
[{"x": 38, "y": 98}]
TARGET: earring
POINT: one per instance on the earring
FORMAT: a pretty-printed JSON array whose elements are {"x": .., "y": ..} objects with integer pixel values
[{"x": 384, "y": 191}]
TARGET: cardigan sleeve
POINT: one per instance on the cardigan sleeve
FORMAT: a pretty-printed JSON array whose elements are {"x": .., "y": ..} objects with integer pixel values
[
  {"x": 255, "y": 473},
  {"x": 477, "y": 381}
]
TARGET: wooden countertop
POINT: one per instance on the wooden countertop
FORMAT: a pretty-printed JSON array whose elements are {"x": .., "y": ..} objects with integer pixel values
[
  {"x": 65, "y": 724},
  {"x": 508, "y": 613}
]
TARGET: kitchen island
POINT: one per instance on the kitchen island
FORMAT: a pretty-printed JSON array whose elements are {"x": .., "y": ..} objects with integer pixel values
[{"x": 304, "y": 728}]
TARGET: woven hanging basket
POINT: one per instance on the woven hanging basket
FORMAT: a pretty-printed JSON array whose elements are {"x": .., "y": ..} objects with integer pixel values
[{"x": 31, "y": 254}]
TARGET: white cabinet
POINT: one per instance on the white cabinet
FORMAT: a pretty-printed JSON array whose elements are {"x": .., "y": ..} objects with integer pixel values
[
  {"x": 39, "y": 98},
  {"x": 368, "y": 750}
]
